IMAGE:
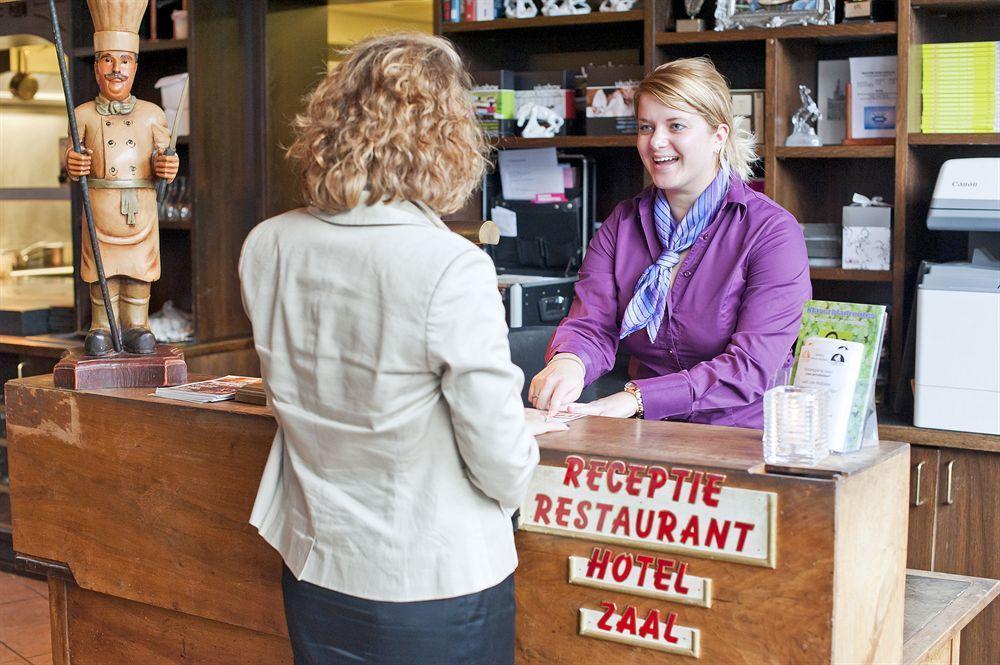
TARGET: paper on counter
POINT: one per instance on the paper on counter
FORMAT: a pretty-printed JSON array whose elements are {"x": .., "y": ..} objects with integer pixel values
[{"x": 524, "y": 174}]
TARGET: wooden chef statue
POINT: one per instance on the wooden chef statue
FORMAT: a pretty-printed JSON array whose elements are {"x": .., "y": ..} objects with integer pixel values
[{"x": 124, "y": 139}]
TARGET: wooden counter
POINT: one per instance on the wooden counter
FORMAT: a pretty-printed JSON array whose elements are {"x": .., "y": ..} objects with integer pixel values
[{"x": 137, "y": 507}]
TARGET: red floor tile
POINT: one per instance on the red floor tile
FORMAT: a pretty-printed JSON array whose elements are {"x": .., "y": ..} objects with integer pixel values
[
  {"x": 8, "y": 657},
  {"x": 14, "y": 588},
  {"x": 24, "y": 626}
]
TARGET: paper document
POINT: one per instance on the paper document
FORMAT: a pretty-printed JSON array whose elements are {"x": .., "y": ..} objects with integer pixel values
[
  {"x": 873, "y": 97},
  {"x": 524, "y": 174},
  {"x": 506, "y": 221}
]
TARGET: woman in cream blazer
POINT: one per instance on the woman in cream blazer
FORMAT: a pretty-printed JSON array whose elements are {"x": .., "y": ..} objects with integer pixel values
[{"x": 402, "y": 447}]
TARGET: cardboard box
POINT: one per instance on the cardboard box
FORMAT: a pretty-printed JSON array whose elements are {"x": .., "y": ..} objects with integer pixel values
[
  {"x": 609, "y": 100},
  {"x": 493, "y": 99}
]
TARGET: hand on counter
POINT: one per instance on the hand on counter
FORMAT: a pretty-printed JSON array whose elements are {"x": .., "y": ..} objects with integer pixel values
[
  {"x": 539, "y": 423},
  {"x": 558, "y": 385},
  {"x": 619, "y": 405}
]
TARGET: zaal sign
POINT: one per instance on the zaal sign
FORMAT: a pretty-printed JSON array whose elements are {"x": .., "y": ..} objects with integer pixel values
[{"x": 651, "y": 507}]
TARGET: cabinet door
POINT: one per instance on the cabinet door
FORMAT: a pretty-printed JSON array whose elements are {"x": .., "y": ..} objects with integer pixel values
[
  {"x": 968, "y": 537},
  {"x": 923, "y": 504}
]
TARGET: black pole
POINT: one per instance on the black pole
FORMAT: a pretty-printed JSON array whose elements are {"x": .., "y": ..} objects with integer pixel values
[{"x": 116, "y": 338}]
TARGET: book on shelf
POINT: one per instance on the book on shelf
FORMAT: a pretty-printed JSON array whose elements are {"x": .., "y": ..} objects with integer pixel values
[
  {"x": 849, "y": 322},
  {"x": 212, "y": 390},
  {"x": 960, "y": 87}
]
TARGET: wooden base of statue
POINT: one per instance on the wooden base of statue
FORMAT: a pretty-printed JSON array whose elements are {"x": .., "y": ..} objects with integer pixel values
[{"x": 164, "y": 367}]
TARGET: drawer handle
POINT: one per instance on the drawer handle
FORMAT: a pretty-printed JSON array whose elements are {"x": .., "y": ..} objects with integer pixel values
[
  {"x": 947, "y": 498},
  {"x": 917, "y": 501}
]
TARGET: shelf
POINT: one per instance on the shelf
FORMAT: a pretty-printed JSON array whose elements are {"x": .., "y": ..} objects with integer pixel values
[
  {"x": 145, "y": 46},
  {"x": 594, "y": 18},
  {"x": 985, "y": 138},
  {"x": 950, "y": 5},
  {"x": 620, "y": 141},
  {"x": 836, "y": 152},
  {"x": 841, "y": 275},
  {"x": 825, "y": 33}
]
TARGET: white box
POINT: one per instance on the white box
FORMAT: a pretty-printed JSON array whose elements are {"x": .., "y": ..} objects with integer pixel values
[
  {"x": 170, "y": 88},
  {"x": 831, "y": 95},
  {"x": 867, "y": 239}
]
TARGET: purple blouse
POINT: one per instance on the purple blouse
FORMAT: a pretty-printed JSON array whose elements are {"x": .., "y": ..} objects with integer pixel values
[{"x": 733, "y": 309}]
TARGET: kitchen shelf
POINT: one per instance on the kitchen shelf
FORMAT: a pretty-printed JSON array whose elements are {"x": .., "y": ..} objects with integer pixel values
[
  {"x": 145, "y": 46},
  {"x": 594, "y": 18}
]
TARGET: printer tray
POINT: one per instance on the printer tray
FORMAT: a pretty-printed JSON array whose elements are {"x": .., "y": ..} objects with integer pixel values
[{"x": 535, "y": 301}]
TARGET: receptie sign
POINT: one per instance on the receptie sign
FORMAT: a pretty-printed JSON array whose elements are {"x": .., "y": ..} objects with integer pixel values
[{"x": 653, "y": 507}]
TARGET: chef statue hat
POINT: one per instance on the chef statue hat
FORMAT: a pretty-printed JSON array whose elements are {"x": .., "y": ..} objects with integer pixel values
[{"x": 116, "y": 24}]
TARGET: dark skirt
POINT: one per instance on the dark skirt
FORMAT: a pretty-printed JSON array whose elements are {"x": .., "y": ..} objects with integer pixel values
[{"x": 329, "y": 628}]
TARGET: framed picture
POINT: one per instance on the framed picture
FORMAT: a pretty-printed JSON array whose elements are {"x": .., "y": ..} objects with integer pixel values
[{"x": 738, "y": 14}]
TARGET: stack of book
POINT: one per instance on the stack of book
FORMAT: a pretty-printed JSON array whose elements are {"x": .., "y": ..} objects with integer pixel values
[
  {"x": 961, "y": 87},
  {"x": 213, "y": 390}
]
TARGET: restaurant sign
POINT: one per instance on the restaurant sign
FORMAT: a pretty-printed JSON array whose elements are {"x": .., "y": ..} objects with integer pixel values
[{"x": 668, "y": 509}]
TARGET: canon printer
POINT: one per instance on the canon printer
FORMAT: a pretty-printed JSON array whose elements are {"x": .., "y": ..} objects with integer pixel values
[{"x": 957, "y": 382}]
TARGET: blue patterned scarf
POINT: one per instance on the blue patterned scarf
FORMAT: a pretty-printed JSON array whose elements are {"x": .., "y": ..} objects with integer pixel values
[{"x": 649, "y": 302}]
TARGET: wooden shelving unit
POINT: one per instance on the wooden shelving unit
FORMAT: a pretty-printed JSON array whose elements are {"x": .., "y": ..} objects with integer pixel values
[
  {"x": 594, "y": 18},
  {"x": 917, "y": 138},
  {"x": 836, "y": 152},
  {"x": 841, "y": 275},
  {"x": 567, "y": 142},
  {"x": 822, "y": 33}
]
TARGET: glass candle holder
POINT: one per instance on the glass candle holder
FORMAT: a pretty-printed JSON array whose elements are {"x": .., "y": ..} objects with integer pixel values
[{"x": 795, "y": 426}]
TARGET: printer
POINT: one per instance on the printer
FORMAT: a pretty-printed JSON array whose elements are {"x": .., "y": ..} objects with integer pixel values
[{"x": 957, "y": 377}]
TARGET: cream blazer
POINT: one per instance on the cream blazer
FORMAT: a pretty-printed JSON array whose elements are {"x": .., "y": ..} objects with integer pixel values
[{"x": 401, "y": 449}]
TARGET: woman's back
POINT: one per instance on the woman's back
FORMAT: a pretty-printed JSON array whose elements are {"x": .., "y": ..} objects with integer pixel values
[{"x": 364, "y": 321}]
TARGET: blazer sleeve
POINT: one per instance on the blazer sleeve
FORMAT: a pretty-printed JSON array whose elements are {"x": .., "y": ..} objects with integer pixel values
[
  {"x": 467, "y": 343},
  {"x": 590, "y": 330}
]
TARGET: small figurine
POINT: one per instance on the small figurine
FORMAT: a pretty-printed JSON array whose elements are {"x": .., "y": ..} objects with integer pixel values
[
  {"x": 616, "y": 5},
  {"x": 804, "y": 134},
  {"x": 531, "y": 117},
  {"x": 520, "y": 8},
  {"x": 564, "y": 7}
]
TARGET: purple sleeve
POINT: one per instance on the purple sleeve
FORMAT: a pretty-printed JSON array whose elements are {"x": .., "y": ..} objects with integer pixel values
[
  {"x": 590, "y": 330},
  {"x": 777, "y": 284}
]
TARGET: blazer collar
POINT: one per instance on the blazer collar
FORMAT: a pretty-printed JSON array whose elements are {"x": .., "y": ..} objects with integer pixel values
[
  {"x": 382, "y": 214},
  {"x": 737, "y": 194}
]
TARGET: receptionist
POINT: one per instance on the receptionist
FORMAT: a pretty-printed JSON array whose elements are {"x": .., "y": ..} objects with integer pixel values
[{"x": 699, "y": 278}]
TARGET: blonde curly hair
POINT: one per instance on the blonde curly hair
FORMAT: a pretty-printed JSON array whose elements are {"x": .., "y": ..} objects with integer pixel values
[
  {"x": 395, "y": 119},
  {"x": 694, "y": 84}
]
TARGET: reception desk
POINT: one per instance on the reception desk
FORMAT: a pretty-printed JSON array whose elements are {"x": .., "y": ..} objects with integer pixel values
[{"x": 639, "y": 542}]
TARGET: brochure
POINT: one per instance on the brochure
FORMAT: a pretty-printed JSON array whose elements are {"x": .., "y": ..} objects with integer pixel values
[
  {"x": 851, "y": 322},
  {"x": 213, "y": 390}
]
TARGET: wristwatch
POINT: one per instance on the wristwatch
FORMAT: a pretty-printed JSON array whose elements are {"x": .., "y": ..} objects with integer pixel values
[{"x": 634, "y": 391}]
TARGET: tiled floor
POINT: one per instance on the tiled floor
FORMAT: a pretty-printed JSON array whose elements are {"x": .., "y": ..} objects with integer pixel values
[{"x": 24, "y": 621}]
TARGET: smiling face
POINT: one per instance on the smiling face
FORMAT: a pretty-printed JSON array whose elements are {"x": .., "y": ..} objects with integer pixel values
[
  {"x": 115, "y": 71},
  {"x": 679, "y": 149}
]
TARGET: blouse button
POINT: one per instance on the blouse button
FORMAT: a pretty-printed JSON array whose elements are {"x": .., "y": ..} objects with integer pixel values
[
  {"x": 111, "y": 141},
  {"x": 687, "y": 273},
  {"x": 130, "y": 142},
  {"x": 128, "y": 123},
  {"x": 113, "y": 170},
  {"x": 107, "y": 123},
  {"x": 670, "y": 351}
]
